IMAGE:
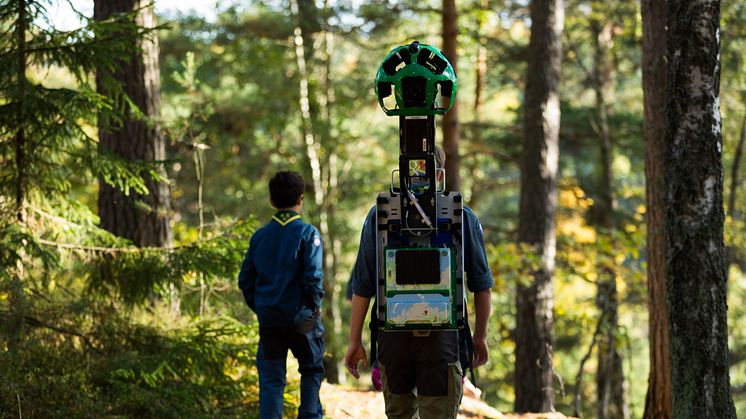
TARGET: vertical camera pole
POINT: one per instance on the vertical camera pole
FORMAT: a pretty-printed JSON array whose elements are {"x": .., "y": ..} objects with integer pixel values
[{"x": 417, "y": 173}]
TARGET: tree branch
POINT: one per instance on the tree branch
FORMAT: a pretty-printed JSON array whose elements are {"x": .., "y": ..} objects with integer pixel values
[
  {"x": 34, "y": 322},
  {"x": 578, "y": 411}
]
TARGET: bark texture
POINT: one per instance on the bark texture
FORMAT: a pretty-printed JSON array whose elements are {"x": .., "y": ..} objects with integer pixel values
[
  {"x": 695, "y": 251},
  {"x": 451, "y": 127},
  {"x": 144, "y": 219},
  {"x": 534, "y": 388},
  {"x": 654, "y": 76}
]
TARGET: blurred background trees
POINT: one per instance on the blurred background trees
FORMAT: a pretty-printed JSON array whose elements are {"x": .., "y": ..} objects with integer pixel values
[{"x": 261, "y": 86}]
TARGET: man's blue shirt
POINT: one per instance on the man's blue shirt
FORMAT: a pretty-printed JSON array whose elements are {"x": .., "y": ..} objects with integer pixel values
[
  {"x": 478, "y": 275},
  {"x": 282, "y": 270}
]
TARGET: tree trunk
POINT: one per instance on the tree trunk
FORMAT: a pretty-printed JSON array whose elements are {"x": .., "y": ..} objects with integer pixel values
[
  {"x": 451, "y": 128},
  {"x": 731, "y": 253},
  {"x": 480, "y": 70},
  {"x": 610, "y": 380},
  {"x": 735, "y": 180},
  {"x": 535, "y": 301},
  {"x": 658, "y": 399},
  {"x": 609, "y": 374},
  {"x": 20, "y": 141},
  {"x": 619, "y": 388},
  {"x": 313, "y": 151},
  {"x": 17, "y": 293},
  {"x": 695, "y": 252},
  {"x": 480, "y": 74},
  {"x": 333, "y": 245},
  {"x": 144, "y": 219},
  {"x": 602, "y": 34}
]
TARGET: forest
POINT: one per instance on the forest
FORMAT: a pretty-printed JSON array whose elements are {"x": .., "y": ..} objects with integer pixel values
[{"x": 600, "y": 142}]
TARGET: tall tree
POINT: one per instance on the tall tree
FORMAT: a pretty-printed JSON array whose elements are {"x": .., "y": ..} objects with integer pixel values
[
  {"x": 451, "y": 127},
  {"x": 534, "y": 388},
  {"x": 17, "y": 293},
  {"x": 142, "y": 218},
  {"x": 35, "y": 116},
  {"x": 20, "y": 140},
  {"x": 609, "y": 374},
  {"x": 695, "y": 251},
  {"x": 332, "y": 173},
  {"x": 322, "y": 173},
  {"x": 654, "y": 76},
  {"x": 480, "y": 69}
]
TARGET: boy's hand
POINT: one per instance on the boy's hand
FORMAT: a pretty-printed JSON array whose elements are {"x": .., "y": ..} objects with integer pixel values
[
  {"x": 355, "y": 354},
  {"x": 305, "y": 320}
]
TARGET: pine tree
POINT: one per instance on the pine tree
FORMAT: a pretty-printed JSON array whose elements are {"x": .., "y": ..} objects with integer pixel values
[
  {"x": 451, "y": 126},
  {"x": 658, "y": 399},
  {"x": 695, "y": 250},
  {"x": 45, "y": 147},
  {"x": 142, "y": 218},
  {"x": 535, "y": 300}
]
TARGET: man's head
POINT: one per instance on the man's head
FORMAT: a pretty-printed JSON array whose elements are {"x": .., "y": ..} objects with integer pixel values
[{"x": 286, "y": 190}]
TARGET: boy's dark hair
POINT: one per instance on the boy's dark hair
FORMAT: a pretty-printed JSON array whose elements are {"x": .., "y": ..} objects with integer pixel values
[{"x": 285, "y": 188}]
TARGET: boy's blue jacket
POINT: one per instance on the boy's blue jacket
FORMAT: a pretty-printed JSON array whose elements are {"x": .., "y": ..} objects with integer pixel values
[{"x": 282, "y": 270}]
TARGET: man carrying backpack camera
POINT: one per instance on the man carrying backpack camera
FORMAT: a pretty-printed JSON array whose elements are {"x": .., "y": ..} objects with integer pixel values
[{"x": 421, "y": 372}]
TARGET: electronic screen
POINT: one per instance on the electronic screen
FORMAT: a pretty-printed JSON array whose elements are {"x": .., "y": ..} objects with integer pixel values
[{"x": 417, "y": 267}]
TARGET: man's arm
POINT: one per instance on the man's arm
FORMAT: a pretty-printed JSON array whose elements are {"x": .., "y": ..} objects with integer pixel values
[
  {"x": 355, "y": 348},
  {"x": 247, "y": 278},
  {"x": 362, "y": 282},
  {"x": 482, "y": 309},
  {"x": 479, "y": 281},
  {"x": 313, "y": 268}
]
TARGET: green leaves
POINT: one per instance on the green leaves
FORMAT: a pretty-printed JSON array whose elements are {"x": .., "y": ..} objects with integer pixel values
[
  {"x": 202, "y": 370},
  {"x": 133, "y": 275}
]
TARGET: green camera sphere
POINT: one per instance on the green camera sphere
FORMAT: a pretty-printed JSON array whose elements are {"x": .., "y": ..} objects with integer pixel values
[{"x": 420, "y": 78}]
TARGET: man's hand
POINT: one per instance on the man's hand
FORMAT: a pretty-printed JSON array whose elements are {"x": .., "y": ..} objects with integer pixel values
[
  {"x": 355, "y": 354},
  {"x": 481, "y": 352},
  {"x": 482, "y": 308}
]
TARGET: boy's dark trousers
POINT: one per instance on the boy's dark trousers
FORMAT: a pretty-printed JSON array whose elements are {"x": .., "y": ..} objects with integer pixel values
[{"x": 308, "y": 349}]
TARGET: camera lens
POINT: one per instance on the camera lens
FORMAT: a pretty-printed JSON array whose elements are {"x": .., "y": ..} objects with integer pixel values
[{"x": 414, "y": 91}]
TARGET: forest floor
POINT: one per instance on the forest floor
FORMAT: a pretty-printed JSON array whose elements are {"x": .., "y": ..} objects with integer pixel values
[{"x": 345, "y": 402}]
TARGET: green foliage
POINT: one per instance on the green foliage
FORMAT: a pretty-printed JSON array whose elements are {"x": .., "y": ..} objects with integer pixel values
[
  {"x": 119, "y": 368},
  {"x": 82, "y": 311},
  {"x": 207, "y": 370},
  {"x": 218, "y": 256},
  {"x": 45, "y": 135}
]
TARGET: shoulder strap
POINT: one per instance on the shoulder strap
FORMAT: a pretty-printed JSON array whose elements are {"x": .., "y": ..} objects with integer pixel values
[
  {"x": 467, "y": 339},
  {"x": 373, "y": 326}
]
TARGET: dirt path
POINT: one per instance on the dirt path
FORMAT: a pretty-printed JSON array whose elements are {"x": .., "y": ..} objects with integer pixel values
[{"x": 342, "y": 402}]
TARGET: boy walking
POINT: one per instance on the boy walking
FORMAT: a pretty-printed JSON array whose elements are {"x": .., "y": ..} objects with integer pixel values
[{"x": 281, "y": 282}]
